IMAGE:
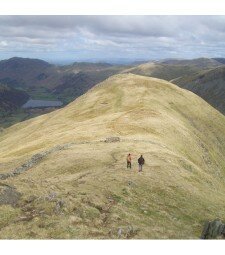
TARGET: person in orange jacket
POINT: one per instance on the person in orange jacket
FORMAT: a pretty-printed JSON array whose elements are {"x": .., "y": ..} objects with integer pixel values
[{"x": 129, "y": 161}]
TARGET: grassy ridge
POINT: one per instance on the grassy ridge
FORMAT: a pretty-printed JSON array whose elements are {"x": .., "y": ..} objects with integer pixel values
[{"x": 179, "y": 134}]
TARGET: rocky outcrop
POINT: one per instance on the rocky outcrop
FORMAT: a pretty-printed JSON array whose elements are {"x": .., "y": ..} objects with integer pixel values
[
  {"x": 8, "y": 195},
  {"x": 34, "y": 160},
  {"x": 213, "y": 230}
]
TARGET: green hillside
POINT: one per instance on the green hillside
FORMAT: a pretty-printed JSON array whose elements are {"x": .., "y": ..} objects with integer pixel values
[{"x": 60, "y": 179}]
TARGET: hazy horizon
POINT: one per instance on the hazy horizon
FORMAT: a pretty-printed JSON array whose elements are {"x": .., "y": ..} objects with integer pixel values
[
  {"x": 67, "y": 39},
  {"x": 116, "y": 61}
]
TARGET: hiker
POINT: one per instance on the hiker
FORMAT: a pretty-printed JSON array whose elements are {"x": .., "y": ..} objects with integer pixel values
[
  {"x": 129, "y": 161},
  {"x": 141, "y": 162}
]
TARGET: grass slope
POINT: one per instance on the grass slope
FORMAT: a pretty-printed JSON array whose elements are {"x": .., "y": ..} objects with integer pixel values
[{"x": 83, "y": 189}]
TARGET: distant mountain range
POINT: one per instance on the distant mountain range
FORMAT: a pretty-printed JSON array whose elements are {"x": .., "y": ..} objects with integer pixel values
[
  {"x": 42, "y": 80},
  {"x": 205, "y": 77},
  {"x": 173, "y": 68},
  {"x": 37, "y": 79},
  {"x": 162, "y": 71},
  {"x": 199, "y": 63}
]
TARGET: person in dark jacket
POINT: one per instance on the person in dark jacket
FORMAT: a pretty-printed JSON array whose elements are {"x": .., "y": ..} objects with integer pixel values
[{"x": 141, "y": 162}]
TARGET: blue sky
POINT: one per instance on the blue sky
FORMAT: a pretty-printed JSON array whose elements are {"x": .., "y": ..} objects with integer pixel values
[{"x": 102, "y": 38}]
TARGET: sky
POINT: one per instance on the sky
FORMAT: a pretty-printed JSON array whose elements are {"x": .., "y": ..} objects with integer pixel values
[{"x": 111, "y": 38}]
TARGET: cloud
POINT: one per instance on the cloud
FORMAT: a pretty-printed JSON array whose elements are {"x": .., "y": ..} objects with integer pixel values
[
  {"x": 3, "y": 43},
  {"x": 113, "y": 36}
]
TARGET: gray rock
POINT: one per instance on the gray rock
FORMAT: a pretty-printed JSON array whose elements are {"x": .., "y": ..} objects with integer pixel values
[
  {"x": 213, "y": 230},
  {"x": 120, "y": 232},
  {"x": 59, "y": 205},
  {"x": 112, "y": 139},
  {"x": 127, "y": 232},
  {"x": 8, "y": 195}
]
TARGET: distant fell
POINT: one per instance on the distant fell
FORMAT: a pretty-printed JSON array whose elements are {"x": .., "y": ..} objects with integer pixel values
[
  {"x": 203, "y": 63},
  {"x": 161, "y": 70},
  {"x": 210, "y": 85}
]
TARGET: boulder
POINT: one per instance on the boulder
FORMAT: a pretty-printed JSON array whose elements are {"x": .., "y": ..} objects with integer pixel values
[
  {"x": 8, "y": 195},
  {"x": 213, "y": 230}
]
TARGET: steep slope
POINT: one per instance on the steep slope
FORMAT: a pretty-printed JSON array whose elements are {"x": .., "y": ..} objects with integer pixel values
[
  {"x": 220, "y": 60},
  {"x": 80, "y": 77},
  {"x": 163, "y": 71},
  {"x": 66, "y": 182},
  {"x": 11, "y": 99},
  {"x": 10, "y": 102},
  {"x": 210, "y": 85}
]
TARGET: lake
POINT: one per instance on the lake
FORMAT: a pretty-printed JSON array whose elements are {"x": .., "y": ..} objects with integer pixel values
[{"x": 41, "y": 104}]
